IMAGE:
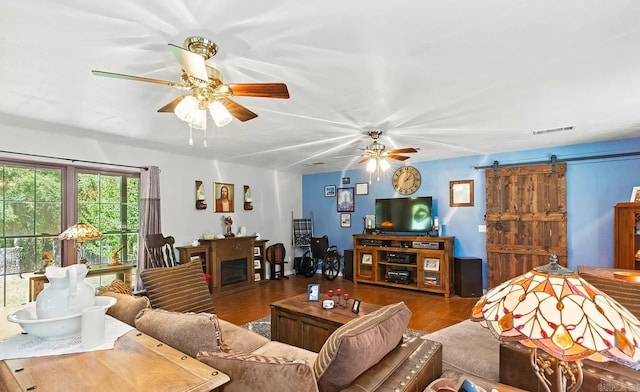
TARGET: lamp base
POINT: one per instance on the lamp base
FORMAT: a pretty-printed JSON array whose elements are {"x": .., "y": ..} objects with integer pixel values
[{"x": 568, "y": 375}]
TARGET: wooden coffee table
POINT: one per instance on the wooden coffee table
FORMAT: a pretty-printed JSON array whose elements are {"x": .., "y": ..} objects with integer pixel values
[
  {"x": 138, "y": 362},
  {"x": 306, "y": 324}
]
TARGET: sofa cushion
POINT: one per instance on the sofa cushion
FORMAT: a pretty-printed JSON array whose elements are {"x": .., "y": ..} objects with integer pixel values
[
  {"x": 187, "y": 332},
  {"x": 240, "y": 340},
  {"x": 126, "y": 307},
  {"x": 251, "y": 372},
  {"x": 180, "y": 289},
  {"x": 359, "y": 344}
]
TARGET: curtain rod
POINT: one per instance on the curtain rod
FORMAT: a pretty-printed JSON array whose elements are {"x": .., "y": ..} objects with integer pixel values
[
  {"x": 74, "y": 160},
  {"x": 554, "y": 159}
]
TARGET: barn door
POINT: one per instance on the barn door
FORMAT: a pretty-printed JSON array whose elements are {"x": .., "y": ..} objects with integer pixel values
[{"x": 526, "y": 219}]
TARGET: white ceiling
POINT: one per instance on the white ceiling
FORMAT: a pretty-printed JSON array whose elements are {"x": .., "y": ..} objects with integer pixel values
[{"x": 450, "y": 77}]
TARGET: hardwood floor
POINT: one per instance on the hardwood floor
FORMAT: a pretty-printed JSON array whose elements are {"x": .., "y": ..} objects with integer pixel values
[{"x": 430, "y": 312}]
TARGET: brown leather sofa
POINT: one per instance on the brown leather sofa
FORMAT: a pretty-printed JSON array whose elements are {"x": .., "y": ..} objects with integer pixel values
[
  {"x": 515, "y": 366},
  {"x": 370, "y": 353}
]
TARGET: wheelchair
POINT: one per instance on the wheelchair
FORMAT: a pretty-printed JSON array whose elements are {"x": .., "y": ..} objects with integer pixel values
[{"x": 320, "y": 250}]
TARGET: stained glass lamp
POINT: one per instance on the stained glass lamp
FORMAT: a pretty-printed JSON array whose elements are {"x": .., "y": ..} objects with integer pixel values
[
  {"x": 81, "y": 232},
  {"x": 553, "y": 309}
]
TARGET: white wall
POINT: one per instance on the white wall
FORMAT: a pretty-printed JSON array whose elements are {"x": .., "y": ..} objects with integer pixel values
[{"x": 275, "y": 194}]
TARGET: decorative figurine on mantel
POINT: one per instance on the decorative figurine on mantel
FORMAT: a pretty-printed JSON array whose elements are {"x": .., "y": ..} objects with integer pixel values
[
  {"x": 115, "y": 259},
  {"x": 228, "y": 221}
]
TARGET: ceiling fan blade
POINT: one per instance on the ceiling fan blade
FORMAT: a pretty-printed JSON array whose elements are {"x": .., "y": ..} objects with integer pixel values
[
  {"x": 169, "y": 108},
  {"x": 261, "y": 90},
  {"x": 238, "y": 111},
  {"x": 365, "y": 159},
  {"x": 406, "y": 150},
  {"x": 192, "y": 63},
  {"x": 397, "y": 157},
  {"x": 131, "y": 77}
]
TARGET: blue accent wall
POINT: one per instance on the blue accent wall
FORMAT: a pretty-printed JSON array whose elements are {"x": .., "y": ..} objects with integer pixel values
[{"x": 594, "y": 186}]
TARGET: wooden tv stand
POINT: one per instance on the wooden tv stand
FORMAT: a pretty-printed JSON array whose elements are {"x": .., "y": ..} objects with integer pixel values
[{"x": 429, "y": 261}]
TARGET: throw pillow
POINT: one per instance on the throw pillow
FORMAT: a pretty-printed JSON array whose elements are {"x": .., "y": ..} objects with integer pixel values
[
  {"x": 117, "y": 286},
  {"x": 359, "y": 344},
  {"x": 187, "y": 332},
  {"x": 127, "y": 306},
  {"x": 250, "y": 372},
  {"x": 180, "y": 289}
]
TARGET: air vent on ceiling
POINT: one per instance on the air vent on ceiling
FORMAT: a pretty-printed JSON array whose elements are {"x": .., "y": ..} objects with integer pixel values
[
  {"x": 562, "y": 129},
  {"x": 315, "y": 163}
]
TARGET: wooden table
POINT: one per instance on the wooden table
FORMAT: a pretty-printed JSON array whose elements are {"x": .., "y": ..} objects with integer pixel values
[
  {"x": 122, "y": 272},
  {"x": 138, "y": 362},
  {"x": 306, "y": 324}
]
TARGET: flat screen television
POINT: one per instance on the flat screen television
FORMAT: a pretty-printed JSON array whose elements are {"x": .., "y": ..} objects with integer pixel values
[{"x": 404, "y": 215}]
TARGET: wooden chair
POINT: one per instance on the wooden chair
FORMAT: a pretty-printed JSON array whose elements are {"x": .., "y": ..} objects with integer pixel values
[
  {"x": 275, "y": 256},
  {"x": 161, "y": 251}
]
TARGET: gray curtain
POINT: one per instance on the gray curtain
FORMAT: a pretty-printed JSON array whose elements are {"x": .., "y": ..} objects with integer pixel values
[{"x": 149, "y": 216}]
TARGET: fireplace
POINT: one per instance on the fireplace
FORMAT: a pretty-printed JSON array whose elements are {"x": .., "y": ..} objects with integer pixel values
[{"x": 233, "y": 271}]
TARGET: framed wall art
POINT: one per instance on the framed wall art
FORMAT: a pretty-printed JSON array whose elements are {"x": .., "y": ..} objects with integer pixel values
[
  {"x": 362, "y": 188},
  {"x": 223, "y": 193},
  {"x": 345, "y": 220},
  {"x": 345, "y": 200},
  {"x": 329, "y": 190},
  {"x": 635, "y": 194},
  {"x": 461, "y": 193}
]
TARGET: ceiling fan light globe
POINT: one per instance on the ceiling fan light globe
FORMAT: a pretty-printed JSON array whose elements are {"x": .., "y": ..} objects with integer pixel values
[
  {"x": 184, "y": 110},
  {"x": 384, "y": 165},
  {"x": 198, "y": 119},
  {"x": 220, "y": 114},
  {"x": 371, "y": 165}
]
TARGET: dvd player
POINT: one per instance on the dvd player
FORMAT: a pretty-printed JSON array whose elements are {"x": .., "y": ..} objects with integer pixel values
[
  {"x": 399, "y": 276},
  {"x": 428, "y": 245}
]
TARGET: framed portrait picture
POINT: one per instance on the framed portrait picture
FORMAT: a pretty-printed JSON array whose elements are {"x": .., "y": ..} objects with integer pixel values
[
  {"x": 346, "y": 180},
  {"x": 329, "y": 190},
  {"x": 355, "y": 308},
  {"x": 223, "y": 193},
  {"x": 431, "y": 264},
  {"x": 346, "y": 201},
  {"x": 362, "y": 188},
  {"x": 461, "y": 193},
  {"x": 313, "y": 292},
  {"x": 345, "y": 220},
  {"x": 367, "y": 259},
  {"x": 635, "y": 194}
]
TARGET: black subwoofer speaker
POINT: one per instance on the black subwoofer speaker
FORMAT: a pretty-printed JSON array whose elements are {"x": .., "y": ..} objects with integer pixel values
[
  {"x": 348, "y": 264},
  {"x": 467, "y": 275}
]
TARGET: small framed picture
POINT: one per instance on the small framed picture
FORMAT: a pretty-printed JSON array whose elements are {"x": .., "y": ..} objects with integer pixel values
[
  {"x": 367, "y": 258},
  {"x": 329, "y": 190},
  {"x": 346, "y": 202},
  {"x": 313, "y": 292},
  {"x": 256, "y": 264},
  {"x": 355, "y": 308},
  {"x": 345, "y": 220},
  {"x": 431, "y": 264},
  {"x": 223, "y": 194},
  {"x": 635, "y": 194},
  {"x": 346, "y": 180},
  {"x": 461, "y": 193},
  {"x": 256, "y": 251},
  {"x": 362, "y": 188}
]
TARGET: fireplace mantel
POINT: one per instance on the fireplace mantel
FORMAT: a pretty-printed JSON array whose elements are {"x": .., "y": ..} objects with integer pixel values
[{"x": 225, "y": 250}]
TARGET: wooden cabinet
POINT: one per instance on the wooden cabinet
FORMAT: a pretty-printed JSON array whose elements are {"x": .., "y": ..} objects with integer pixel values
[
  {"x": 230, "y": 263},
  {"x": 626, "y": 235},
  {"x": 411, "y": 262},
  {"x": 259, "y": 247}
]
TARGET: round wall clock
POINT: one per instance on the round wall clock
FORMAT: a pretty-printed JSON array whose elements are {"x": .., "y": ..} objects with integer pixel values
[{"x": 406, "y": 180}]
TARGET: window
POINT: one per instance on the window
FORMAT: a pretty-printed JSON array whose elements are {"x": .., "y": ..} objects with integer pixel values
[{"x": 39, "y": 201}]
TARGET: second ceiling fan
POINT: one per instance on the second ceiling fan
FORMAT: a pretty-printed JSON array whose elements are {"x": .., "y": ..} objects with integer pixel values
[{"x": 206, "y": 88}]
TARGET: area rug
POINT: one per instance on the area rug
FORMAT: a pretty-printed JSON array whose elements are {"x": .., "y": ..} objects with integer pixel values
[{"x": 470, "y": 348}]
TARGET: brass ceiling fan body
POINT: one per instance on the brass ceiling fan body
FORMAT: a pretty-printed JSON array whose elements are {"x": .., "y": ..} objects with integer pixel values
[
  {"x": 377, "y": 150},
  {"x": 205, "y": 82}
]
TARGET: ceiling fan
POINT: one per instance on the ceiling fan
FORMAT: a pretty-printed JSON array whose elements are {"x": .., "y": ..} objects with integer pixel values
[
  {"x": 206, "y": 88},
  {"x": 376, "y": 154}
]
